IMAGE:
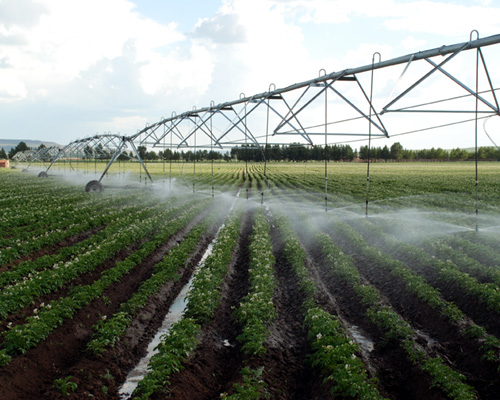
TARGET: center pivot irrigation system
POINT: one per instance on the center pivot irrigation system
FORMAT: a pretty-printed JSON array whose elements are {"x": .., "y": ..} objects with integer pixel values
[{"x": 440, "y": 83}]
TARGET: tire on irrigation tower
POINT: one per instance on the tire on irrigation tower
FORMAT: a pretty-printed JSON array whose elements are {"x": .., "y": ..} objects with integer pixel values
[
  {"x": 94, "y": 186},
  {"x": 43, "y": 174}
]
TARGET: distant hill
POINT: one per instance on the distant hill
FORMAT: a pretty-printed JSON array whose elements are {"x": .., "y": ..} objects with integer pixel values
[{"x": 7, "y": 144}]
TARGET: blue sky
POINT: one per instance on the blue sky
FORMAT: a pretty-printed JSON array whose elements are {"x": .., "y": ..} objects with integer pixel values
[{"x": 73, "y": 68}]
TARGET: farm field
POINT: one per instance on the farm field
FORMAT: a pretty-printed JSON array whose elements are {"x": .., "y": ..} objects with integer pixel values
[{"x": 290, "y": 293}]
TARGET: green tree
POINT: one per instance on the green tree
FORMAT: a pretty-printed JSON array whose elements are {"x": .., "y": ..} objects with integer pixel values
[
  {"x": 364, "y": 153},
  {"x": 409, "y": 155},
  {"x": 3, "y": 154},
  {"x": 397, "y": 151},
  {"x": 347, "y": 153},
  {"x": 151, "y": 155},
  {"x": 142, "y": 150},
  {"x": 385, "y": 153},
  {"x": 22, "y": 147},
  {"x": 441, "y": 154}
]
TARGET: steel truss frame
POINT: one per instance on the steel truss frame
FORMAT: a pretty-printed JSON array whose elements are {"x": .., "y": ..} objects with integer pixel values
[
  {"x": 237, "y": 113},
  {"x": 303, "y": 111},
  {"x": 104, "y": 147},
  {"x": 45, "y": 154}
]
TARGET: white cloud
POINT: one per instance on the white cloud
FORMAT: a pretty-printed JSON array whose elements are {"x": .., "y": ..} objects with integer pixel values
[
  {"x": 410, "y": 43},
  {"x": 167, "y": 75},
  {"x": 418, "y": 16},
  {"x": 102, "y": 66},
  {"x": 265, "y": 46},
  {"x": 221, "y": 28},
  {"x": 11, "y": 88},
  {"x": 71, "y": 36},
  {"x": 443, "y": 18},
  {"x": 22, "y": 13},
  {"x": 123, "y": 124}
]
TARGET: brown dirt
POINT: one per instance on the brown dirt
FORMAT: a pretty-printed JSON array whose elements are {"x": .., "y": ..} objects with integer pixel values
[
  {"x": 63, "y": 354},
  {"x": 461, "y": 353},
  {"x": 207, "y": 373},
  {"x": 215, "y": 366},
  {"x": 398, "y": 377}
]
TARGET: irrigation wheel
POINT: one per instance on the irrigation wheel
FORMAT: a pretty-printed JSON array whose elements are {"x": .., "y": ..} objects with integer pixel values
[
  {"x": 94, "y": 186},
  {"x": 43, "y": 174}
]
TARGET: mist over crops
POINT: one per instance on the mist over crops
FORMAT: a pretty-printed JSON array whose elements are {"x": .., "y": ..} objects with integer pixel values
[{"x": 262, "y": 281}]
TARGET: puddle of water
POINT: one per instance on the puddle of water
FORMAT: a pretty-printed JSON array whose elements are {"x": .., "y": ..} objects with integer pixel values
[
  {"x": 174, "y": 314},
  {"x": 431, "y": 343},
  {"x": 365, "y": 343}
]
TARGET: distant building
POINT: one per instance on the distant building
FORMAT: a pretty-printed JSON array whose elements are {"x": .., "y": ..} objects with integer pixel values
[{"x": 4, "y": 163}]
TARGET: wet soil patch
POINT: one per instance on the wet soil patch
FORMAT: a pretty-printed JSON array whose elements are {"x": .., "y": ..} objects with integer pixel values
[
  {"x": 218, "y": 358},
  {"x": 287, "y": 372},
  {"x": 63, "y": 353},
  {"x": 437, "y": 335},
  {"x": 398, "y": 377}
]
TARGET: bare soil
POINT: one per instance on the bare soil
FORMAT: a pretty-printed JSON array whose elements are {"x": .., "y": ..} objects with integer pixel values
[{"x": 215, "y": 366}]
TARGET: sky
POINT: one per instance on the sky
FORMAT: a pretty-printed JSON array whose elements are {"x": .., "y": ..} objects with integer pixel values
[{"x": 75, "y": 68}]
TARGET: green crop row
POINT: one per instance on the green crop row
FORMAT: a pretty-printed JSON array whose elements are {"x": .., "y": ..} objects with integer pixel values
[
  {"x": 394, "y": 327},
  {"x": 414, "y": 283},
  {"x": 182, "y": 337},
  {"x": 108, "y": 331},
  {"x": 253, "y": 386},
  {"x": 23, "y": 269},
  {"x": 447, "y": 271},
  {"x": 333, "y": 352},
  {"x": 117, "y": 236},
  {"x": 483, "y": 253},
  {"x": 25, "y": 200},
  {"x": 417, "y": 285},
  {"x": 23, "y": 337},
  {"x": 459, "y": 257},
  {"x": 56, "y": 224},
  {"x": 204, "y": 295},
  {"x": 256, "y": 310},
  {"x": 173, "y": 350}
]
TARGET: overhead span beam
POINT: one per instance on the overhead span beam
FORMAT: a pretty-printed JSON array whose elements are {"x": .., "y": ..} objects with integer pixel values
[{"x": 422, "y": 55}]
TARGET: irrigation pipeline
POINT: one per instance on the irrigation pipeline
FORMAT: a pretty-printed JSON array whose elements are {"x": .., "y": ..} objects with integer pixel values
[
  {"x": 174, "y": 125},
  {"x": 370, "y": 133},
  {"x": 422, "y": 55}
]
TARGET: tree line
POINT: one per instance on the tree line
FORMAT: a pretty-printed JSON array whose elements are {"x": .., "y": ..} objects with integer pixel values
[
  {"x": 12, "y": 152},
  {"x": 294, "y": 152},
  {"x": 397, "y": 153}
]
